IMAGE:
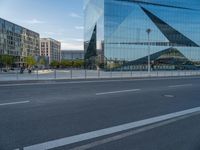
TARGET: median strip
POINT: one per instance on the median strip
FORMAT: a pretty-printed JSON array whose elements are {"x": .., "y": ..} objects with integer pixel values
[
  {"x": 14, "y": 103},
  {"x": 116, "y": 92},
  {"x": 108, "y": 131}
]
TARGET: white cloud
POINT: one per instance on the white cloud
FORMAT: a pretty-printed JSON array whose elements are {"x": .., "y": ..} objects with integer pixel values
[
  {"x": 34, "y": 21},
  {"x": 72, "y": 40},
  {"x": 78, "y": 40},
  {"x": 72, "y": 46},
  {"x": 52, "y": 33},
  {"x": 79, "y": 27},
  {"x": 74, "y": 15}
]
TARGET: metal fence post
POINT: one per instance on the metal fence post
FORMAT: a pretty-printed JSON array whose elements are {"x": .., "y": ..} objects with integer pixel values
[
  {"x": 17, "y": 75},
  {"x": 121, "y": 72},
  {"x": 71, "y": 73},
  {"x": 85, "y": 74},
  {"x": 37, "y": 74},
  {"x": 132, "y": 71},
  {"x": 55, "y": 74},
  {"x": 98, "y": 73}
]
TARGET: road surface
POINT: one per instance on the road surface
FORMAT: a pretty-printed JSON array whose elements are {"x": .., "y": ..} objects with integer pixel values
[{"x": 117, "y": 114}]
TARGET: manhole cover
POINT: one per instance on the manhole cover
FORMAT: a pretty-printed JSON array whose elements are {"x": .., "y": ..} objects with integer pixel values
[{"x": 169, "y": 96}]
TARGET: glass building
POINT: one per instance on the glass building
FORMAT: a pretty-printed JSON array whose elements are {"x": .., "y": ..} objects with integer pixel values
[
  {"x": 72, "y": 55},
  {"x": 18, "y": 41},
  {"x": 118, "y": 28}
]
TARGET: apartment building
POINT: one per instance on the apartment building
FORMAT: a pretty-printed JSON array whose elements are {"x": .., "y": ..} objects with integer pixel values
[
  {"x": 50, "y": 48},
  {"x": 18, "y": 41}
]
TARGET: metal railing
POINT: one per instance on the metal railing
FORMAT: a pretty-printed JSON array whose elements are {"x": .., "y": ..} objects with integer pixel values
[{"x": 89, "y": 74}]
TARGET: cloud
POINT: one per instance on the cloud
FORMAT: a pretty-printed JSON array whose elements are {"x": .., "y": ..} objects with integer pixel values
[
  {"x": 49, "y": 33},
  {"x": 72, "y": 46},
  {"x": 74, "y": 15},
  {"x": 72, "y": 40},
  {"x": 78, "y": 40},
  {"x": 79, "y": 27},
  {"x": 34, "y": 21}
]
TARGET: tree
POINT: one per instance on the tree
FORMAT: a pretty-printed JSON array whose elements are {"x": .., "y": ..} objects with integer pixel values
[
  {"x": 55, "y": 64},
  {"x": 42, "y": 61},
  {"x": 30, "y": 61},
  {"x": 7, "y": 60},
  {"x": 65, "y": 63},
  {"x": 78, "y": 63}
]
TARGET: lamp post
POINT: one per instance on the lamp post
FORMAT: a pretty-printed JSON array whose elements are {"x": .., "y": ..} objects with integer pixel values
[{"x": 149, "y": 59}]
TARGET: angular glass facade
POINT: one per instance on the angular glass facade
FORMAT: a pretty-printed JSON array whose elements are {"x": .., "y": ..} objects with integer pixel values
[{"x": 118, "y": 28}]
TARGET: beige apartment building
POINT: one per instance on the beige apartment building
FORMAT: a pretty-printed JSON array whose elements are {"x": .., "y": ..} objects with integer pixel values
[
  {"x": 18, "y": 41},
  {"x": 50, "y": 48}
]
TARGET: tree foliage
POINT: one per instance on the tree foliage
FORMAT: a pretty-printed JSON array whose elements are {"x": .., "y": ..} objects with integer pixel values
[
  {"x": 30, "y": 61},
  {"x": 7, "y": 60},
  {"x": 67, "y": 64},
  {"x": 42, "y": 61},
  {"x": 55, "y": 64}
]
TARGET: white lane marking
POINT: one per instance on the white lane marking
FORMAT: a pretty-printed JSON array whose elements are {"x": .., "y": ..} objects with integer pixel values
[
  {"x": 131, "y": 133},
  {"x": 169, "y": 96},
  {"x": 14, "y": 103},
  {"x": 49, "y": 82},
  {"x": 180, "y": 85},
  {"x": 116, "y": 92},
  {"x": 108, "y": 131}
]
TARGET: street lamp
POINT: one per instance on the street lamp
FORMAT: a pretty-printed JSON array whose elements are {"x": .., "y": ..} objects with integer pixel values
[{"x": 149, "y": 59}]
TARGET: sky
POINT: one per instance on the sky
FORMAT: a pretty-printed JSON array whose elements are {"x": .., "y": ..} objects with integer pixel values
[{"x": 59, "y": 19}]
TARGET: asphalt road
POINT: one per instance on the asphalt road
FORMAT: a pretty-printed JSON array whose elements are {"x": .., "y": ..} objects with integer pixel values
[{"x": 50, "y": 112}]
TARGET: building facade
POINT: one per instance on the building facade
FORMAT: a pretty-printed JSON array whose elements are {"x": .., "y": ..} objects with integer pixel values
[
  {"x": 18, "y": 41},
  {"x": 50, "y": 48},
  {"x": 119, "y": 29},
  {"x": 72, "y": 55}
]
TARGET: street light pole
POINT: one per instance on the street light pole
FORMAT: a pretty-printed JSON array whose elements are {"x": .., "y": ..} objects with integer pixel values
[{"x": 149, "y": 57}]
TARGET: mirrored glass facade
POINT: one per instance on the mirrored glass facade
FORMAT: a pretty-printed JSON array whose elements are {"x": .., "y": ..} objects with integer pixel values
[{"x": 118, "y": 28}]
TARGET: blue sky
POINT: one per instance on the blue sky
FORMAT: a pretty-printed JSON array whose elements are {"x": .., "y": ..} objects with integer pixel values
[{"x": 58, "y": 19}]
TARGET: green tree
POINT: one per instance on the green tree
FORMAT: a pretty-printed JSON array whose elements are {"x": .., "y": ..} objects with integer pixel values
[
  {"x": 78, "y": 63},
  {"x": 42, "y": 61},
  {"x": 30, "y": 61},
  {"x": 55, "y": 64},
  {"x": 65, "y": 63},
  {"x": 7, "y": 60}
]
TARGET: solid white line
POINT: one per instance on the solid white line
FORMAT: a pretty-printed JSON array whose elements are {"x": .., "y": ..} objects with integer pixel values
[
  {"x": 116, "y": 92},
  {"x": 14, "y": 103},
  {"x": 131, "y": 133},
  {"x": 181, "y": 85},
  {"x": 108, "y": 131}
]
